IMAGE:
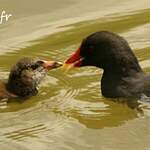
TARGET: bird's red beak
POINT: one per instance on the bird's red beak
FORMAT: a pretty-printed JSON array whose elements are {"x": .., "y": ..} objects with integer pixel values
[
  {"x": 51, "y": 64},
  {"x": 75, "y": 60}
]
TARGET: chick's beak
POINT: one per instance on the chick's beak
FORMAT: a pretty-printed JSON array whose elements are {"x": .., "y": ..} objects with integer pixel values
[{"x": 51, "y": 64}]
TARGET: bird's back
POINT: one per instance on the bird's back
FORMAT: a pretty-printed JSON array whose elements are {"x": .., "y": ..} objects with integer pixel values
[
  {"x": 138, "y": 85},
  {"x": 4, "y": 93}
]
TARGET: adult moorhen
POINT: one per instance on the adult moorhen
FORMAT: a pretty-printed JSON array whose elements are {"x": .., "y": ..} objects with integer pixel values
[
  {"x": 24, "y": 78},
  {"x": 122, "y": 76}
]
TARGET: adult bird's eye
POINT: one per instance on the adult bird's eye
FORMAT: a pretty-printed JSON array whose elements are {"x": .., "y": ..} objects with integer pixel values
[{"x": 90, "y": 48}]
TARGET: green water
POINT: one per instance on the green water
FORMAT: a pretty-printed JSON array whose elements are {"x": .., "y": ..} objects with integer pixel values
[{"x": 70, "y": 113}]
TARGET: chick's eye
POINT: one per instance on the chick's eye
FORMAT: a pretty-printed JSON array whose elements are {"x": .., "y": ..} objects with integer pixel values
[
  {"x": 37, "y": 64},
  {"x": 34, "y": 66}
]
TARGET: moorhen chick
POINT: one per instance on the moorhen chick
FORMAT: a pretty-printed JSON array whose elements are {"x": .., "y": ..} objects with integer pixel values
[
  {"x": 24, "y": 78},
  {"x": 122, "y": 76}
]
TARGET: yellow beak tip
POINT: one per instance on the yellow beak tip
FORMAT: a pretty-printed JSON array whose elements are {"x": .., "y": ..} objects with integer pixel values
[{"x": 67, "y": 66}]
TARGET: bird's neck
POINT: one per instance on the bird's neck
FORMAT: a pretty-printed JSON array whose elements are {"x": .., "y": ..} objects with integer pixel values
[
  {"x": 116, "y": 77},
  {"x": 20, "y": 89}
]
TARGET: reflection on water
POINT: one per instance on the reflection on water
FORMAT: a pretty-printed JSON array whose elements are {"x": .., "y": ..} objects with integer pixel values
[
  {"x": 27, "y": 132},
  {"x": 69, "y": 112}
]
